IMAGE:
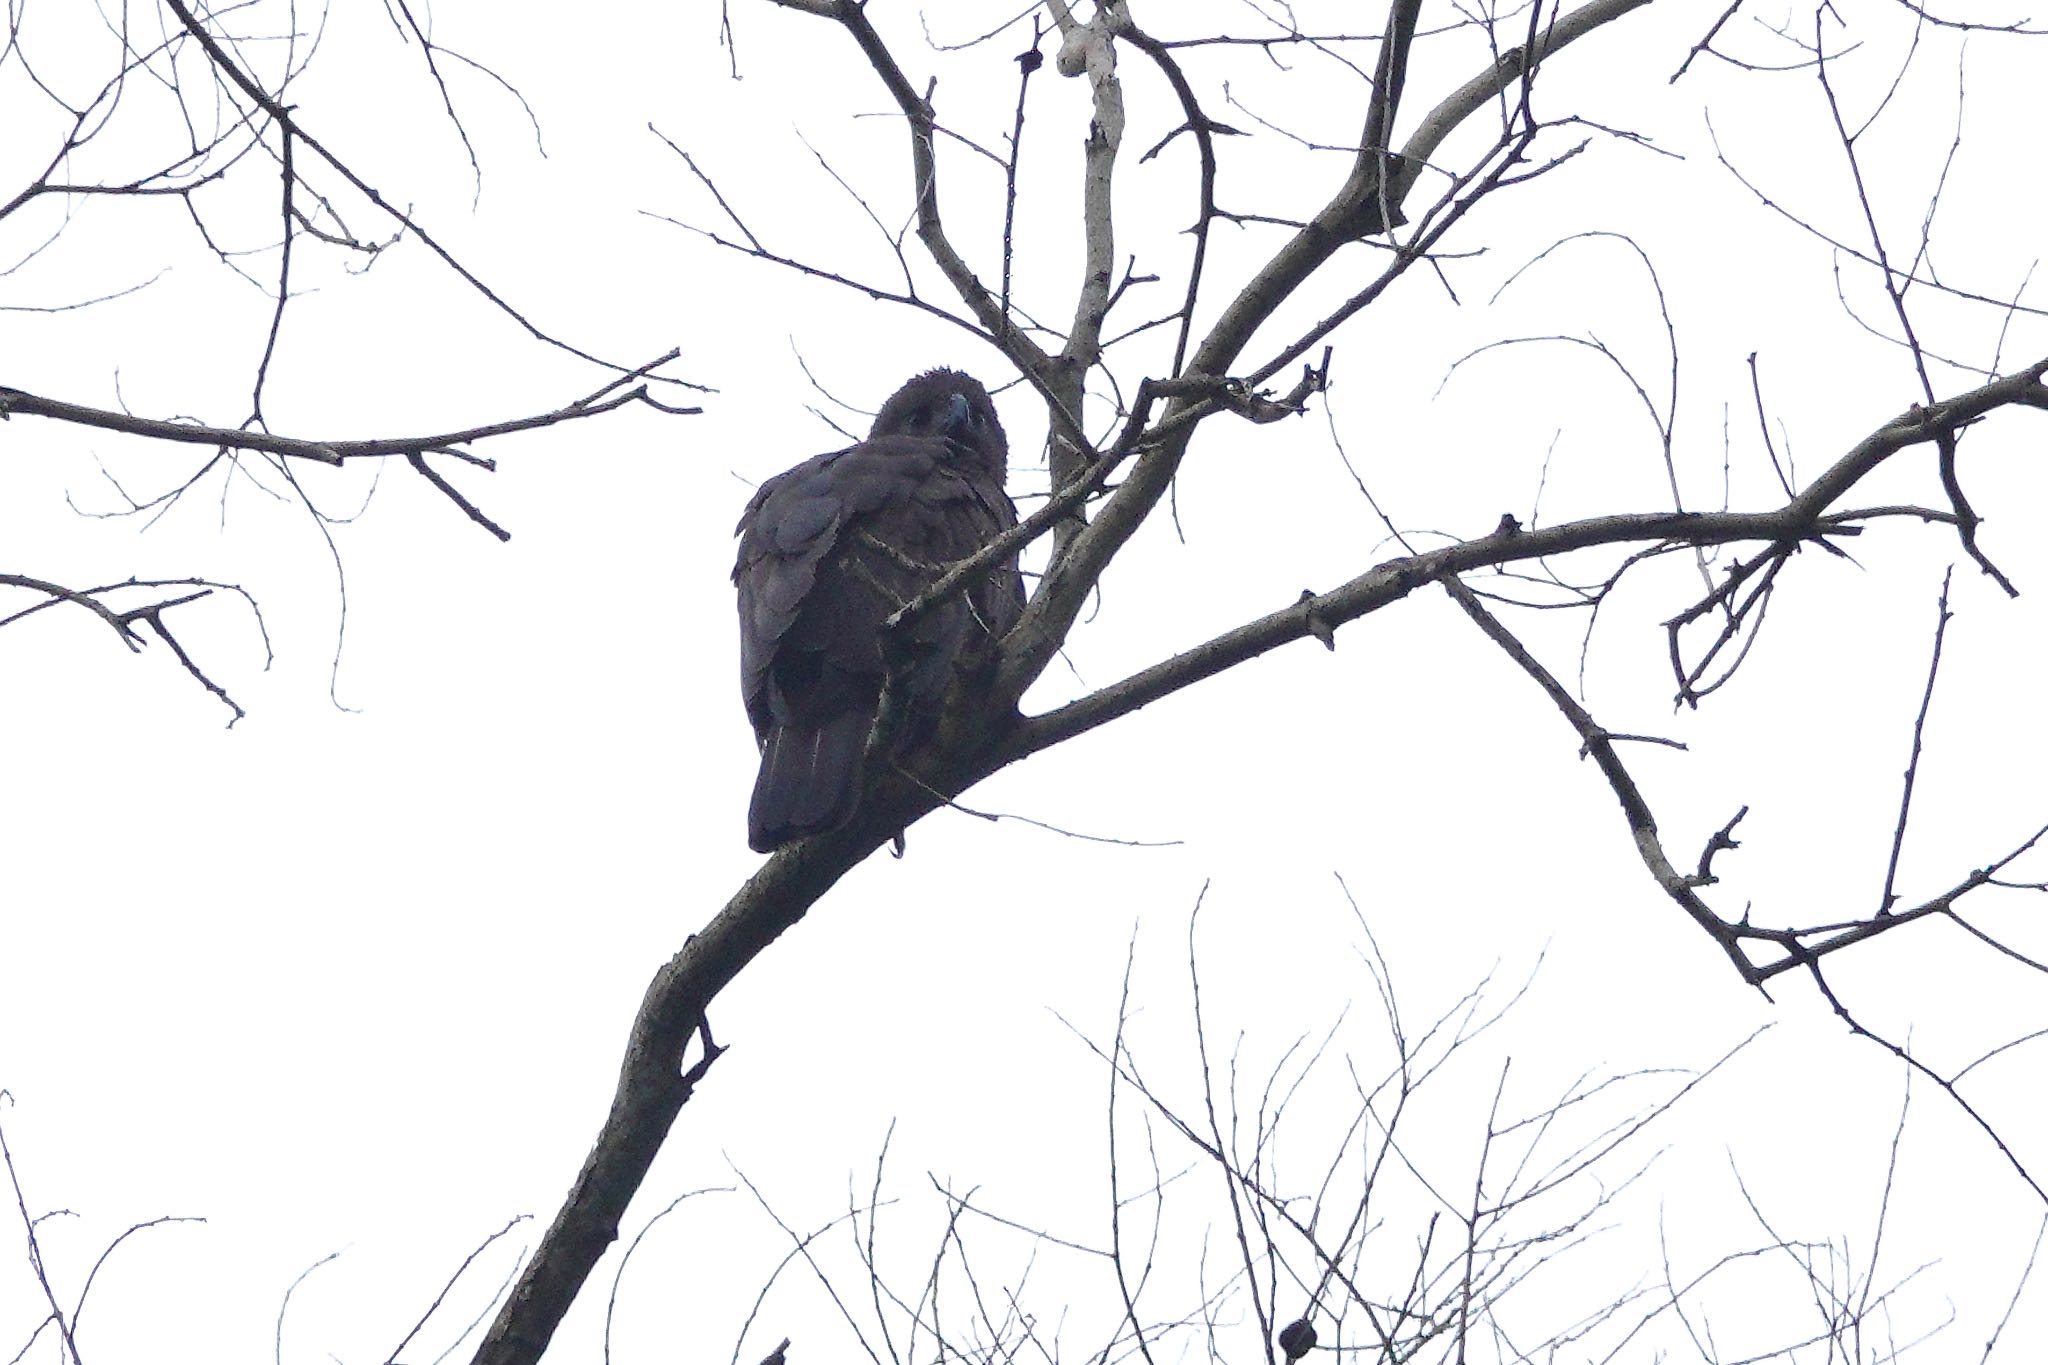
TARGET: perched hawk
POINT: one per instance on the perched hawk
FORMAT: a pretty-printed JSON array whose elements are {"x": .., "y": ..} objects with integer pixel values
[{"x": 827, "y": 551}]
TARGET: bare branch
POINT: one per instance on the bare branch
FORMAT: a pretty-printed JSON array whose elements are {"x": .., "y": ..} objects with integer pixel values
[{"x": 328, "y": 452}]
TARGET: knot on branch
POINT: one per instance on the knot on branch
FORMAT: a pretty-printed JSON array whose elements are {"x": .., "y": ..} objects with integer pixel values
[
  {"x": 1088, "y": 49},
  {"x": 1318, "y": 624}
]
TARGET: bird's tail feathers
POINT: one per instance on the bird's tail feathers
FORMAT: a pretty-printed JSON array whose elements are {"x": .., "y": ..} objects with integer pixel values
[{"x": 809, "y": 781}]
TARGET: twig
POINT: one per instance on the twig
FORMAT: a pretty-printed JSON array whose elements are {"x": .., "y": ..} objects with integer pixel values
[{"x": 1942, "y": 617}]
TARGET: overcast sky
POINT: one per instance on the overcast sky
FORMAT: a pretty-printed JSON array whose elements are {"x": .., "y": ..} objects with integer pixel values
[{"x": 354, "y": 976}]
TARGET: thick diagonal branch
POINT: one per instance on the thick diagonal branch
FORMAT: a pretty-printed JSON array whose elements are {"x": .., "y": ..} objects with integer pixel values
[
  {"x": 1358, "y": 207},
  {"x": 1805, "y": 517}
]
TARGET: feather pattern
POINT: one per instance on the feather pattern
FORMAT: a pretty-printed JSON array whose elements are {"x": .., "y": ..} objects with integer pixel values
[{"x": 828, "y": 550}]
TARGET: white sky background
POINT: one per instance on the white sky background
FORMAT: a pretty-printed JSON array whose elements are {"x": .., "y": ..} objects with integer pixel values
[{"x": 358, "y": 979}]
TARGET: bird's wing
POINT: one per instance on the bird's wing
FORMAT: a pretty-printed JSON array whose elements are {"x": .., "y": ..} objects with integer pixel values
[{"x": 793, "y": 597}]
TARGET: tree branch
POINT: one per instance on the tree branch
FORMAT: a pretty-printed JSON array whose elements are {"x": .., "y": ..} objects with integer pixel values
[
  {"x": 1355, "y": 210},
  {"x": 17, "y": 401},
  {"x": 1804, "y": 517}
]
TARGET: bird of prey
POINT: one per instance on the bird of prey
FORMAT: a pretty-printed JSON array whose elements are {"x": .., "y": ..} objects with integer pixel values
[{"x": 828, "y": 550}]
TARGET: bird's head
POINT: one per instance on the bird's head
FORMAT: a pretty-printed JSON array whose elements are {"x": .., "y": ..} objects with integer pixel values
[{"x": 951, "y": 404}]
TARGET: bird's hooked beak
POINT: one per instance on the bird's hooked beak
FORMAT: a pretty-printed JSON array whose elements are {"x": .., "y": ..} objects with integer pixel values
[{"x": 959, "y": 419}]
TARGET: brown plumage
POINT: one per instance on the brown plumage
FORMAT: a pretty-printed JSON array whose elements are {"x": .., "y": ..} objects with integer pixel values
[{"x": 927, "y": 484}]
